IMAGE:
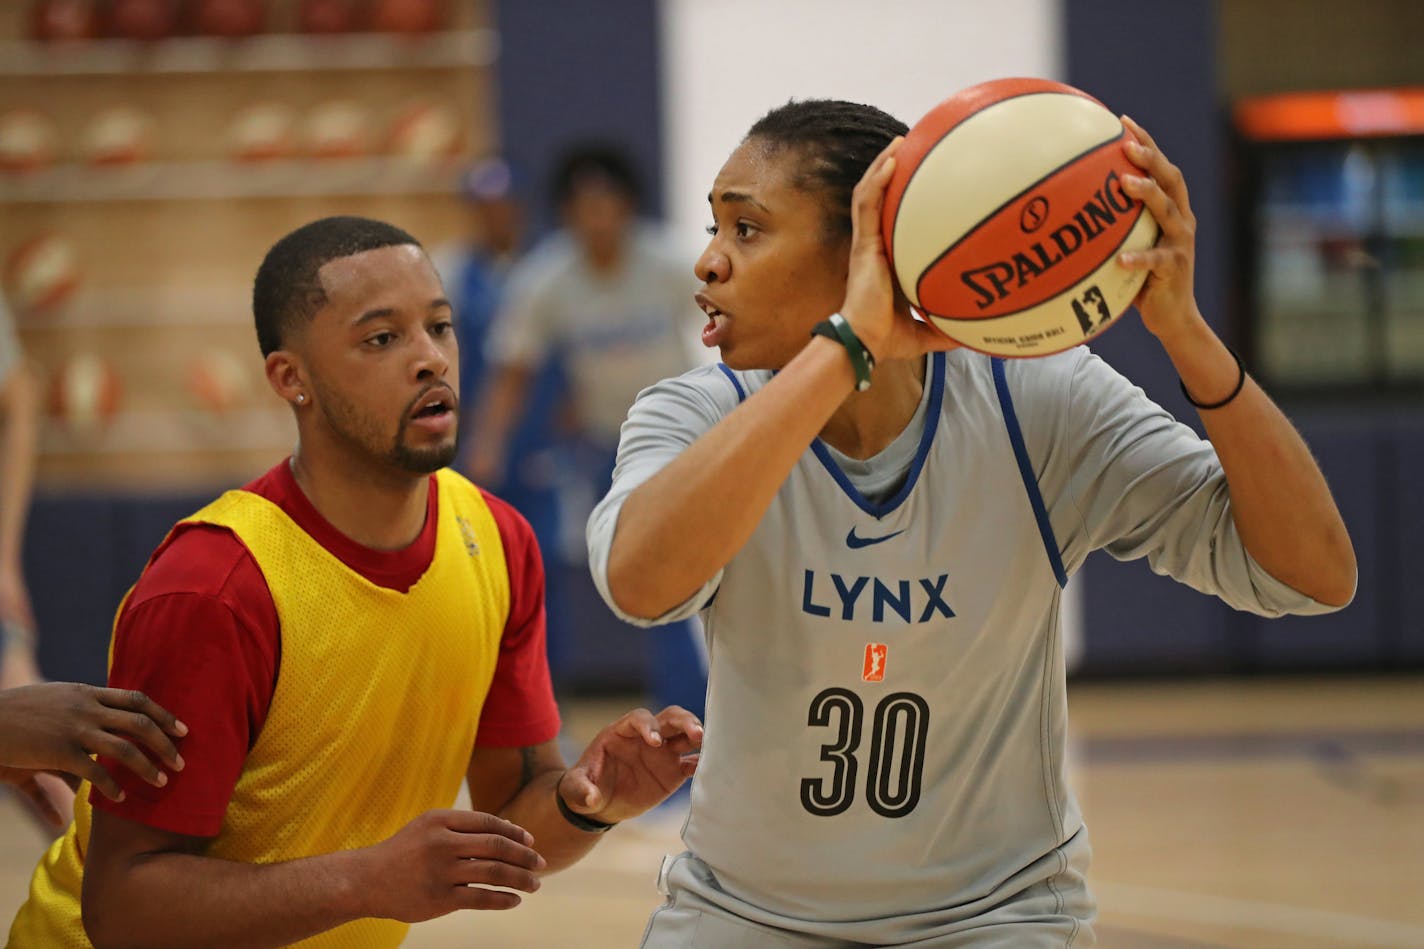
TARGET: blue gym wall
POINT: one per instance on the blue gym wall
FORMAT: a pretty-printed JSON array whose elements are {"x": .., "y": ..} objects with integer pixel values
[
  {"x": 1138, "y": 622},
  {"x": 571, "y": 70}
]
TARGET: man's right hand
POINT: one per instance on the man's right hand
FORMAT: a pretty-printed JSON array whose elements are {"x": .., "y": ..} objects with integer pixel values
[
  {"x": 57, "y": 726},
  {"x": 443, "y": 861}
]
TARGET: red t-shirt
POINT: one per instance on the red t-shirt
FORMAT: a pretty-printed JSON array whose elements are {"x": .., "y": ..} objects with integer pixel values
[{"x": 199, "y": 634}]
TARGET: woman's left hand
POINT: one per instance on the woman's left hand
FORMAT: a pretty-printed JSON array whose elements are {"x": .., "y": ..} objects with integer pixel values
[
  {"x": 879, "y": 316},
  {"x": 1167, "y": 300}
]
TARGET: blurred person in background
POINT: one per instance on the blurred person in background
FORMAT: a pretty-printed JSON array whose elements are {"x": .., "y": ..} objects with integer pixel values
[
  {"x": 49, "y": 798},
  {"x": 609, "y": 298},
  {"x": 19, "y": 421},
  {"x": 475, "y": 271}
]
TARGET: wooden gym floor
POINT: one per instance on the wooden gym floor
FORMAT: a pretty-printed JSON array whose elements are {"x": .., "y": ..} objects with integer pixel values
[{"x": 1256, "y": 813}]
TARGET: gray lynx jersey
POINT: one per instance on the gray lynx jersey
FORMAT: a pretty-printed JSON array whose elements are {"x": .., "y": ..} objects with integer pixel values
[{"x": 886, "y": 709}]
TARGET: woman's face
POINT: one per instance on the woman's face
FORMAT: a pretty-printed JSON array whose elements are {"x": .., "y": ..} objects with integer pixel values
[{"x": 770, "y": 271}]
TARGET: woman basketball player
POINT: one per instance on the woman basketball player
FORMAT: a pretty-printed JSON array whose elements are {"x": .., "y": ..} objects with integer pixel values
[{"x": 876, "y": 529}]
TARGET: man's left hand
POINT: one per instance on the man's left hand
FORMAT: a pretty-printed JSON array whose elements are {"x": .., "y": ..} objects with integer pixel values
[{"x": 633, "y": 764}]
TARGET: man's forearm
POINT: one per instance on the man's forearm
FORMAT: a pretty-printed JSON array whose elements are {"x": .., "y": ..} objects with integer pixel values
[
  {"x": 211, "y": 902},
  {"x": 559, "y": 842}
]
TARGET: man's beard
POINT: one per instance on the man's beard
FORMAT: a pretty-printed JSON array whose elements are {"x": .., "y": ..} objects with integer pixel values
[
  {"x": 350, "y": 427},
  {"x": 422, "y": 460}
]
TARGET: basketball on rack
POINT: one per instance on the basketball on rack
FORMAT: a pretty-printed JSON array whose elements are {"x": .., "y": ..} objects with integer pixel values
[
  {"x": 426, "y": 133},
  {"x": 119, "y": 135},
  {"x": 41, "y": 273},
  {"x": 407, "y": 16},
  {"x": 1005, "y": 215},
  {"x": 229, "y": 19},
  {"x": 84, "y": 394},
  {"x": 218, "y": 381},
  {"x": 340, "y": 128},
  {"x": 141, "y": 19},
  {"x": 53, "y": 21},
  {"x": 27, "y": 140},
  {"x": 261, "y": 132},
  {"x": 327, "y": 16}
]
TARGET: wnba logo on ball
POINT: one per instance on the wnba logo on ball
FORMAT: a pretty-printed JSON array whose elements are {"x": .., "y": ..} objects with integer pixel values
[{"x": 1034, "y": 214}]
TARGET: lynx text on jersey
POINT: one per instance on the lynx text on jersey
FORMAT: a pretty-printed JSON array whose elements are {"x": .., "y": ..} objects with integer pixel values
[{"x": 875, "y": 599}]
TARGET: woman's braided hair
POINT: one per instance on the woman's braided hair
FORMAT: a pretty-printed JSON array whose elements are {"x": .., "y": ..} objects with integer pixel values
[{"x": 836, "y": 142}]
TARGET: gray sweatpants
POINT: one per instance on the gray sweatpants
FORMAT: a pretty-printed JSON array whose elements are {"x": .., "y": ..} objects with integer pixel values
[{"x": 699, "y": 914}]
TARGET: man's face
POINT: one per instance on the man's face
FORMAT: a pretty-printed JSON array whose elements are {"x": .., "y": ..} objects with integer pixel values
[
  {"x": 769, "y": 272},
  {"x": 379, "y": 357}
]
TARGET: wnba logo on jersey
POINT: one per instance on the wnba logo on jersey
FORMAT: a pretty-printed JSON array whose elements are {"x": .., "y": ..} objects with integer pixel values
[{"x": 875, "y": 656}]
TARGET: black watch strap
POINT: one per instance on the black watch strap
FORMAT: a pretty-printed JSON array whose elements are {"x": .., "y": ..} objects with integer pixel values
[{"x": 582, "y": 822}]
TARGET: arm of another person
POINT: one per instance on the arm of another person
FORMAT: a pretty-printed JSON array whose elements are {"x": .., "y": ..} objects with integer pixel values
[
  {"x": 718, "y": 489},
  {"x": 1280, "y": 501},
  {"x": 55, "y": 727},
  {"x": 520, "y": 337},
  {"x": 492, "y": 420},
  {"x": 19, "y": 409}
]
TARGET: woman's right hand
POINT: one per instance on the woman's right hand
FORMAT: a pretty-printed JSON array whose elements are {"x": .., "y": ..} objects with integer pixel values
[{"x": 879, "y": 315}]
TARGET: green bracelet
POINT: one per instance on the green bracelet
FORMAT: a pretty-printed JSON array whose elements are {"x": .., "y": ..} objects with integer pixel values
[{"x": 861, "y": 359}]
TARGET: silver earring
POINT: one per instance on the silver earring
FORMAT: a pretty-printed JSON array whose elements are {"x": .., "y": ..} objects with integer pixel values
[{"x": 301, "y": 397}]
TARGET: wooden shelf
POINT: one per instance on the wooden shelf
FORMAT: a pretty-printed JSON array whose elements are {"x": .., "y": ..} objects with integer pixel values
[
  {"x": 145, "y": 308},
  {"x": 254, "y": 429},
  {"x": 456, "y": 49},
  {"x": 224, "y": 180}
]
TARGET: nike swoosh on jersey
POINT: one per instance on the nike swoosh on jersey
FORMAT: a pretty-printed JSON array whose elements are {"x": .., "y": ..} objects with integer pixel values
[{"x": 855, "y": 543}]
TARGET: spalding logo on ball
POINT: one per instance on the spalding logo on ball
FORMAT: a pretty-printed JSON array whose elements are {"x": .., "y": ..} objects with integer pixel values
[{"x": 1005, "y": 215}]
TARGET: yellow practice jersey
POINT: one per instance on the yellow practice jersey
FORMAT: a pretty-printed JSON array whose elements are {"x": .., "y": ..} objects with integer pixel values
[{"x": 374, "y": 713}]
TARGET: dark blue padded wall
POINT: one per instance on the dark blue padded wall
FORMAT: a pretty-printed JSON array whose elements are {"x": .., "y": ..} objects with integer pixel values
[
  {"x": 1136, "y": 620},
  {"x": 82, "y": 553},
  {"x": 1157, "y": 63},
  {"x": 570, "y": 70}
]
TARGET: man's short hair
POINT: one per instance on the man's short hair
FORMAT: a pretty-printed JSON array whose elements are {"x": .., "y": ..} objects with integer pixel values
[{"x": 287, "y": 289}]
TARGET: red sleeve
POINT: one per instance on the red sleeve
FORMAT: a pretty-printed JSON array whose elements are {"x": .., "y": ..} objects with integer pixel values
[
  {"x": 199, "y": 634},
  {"x": 520, "y": 708}
]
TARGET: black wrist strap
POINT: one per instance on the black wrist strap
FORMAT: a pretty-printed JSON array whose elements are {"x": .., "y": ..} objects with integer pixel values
[
  {"x": 1240, "y": 383},
  {"x": 589, "y": 824},
  {"x": 861, "y": 359}
]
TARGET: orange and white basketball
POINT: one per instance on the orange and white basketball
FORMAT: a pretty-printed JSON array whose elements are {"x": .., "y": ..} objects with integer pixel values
[
  {"x": 426, "y": 132},
  {"x": 1006, "y": 213},
  {"x": 85, "y": 393},
  {"x": 340, "y": 128},
  {"x": 118, "y": 135},
  {"x": 27, "y": 140},
  {"x": 42, "y": 273},
  {"x": 261, "y": 132},
  {"x": 218, "y": 381}
]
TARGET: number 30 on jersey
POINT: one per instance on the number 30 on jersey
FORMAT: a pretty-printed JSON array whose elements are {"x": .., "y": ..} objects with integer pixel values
[{"x": 895, "y": 767}]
